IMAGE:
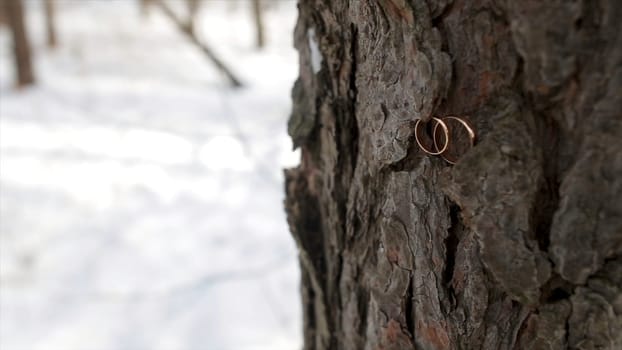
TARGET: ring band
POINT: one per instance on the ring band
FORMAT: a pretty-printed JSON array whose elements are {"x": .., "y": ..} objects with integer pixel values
[
  {"x": 445, "y": 131},
  {"x": 469, "y": 130}
]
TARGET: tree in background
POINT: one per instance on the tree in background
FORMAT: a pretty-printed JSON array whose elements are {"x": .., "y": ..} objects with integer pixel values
[
  {"x": 50, "y": 23},
  {"x": 259, "y": 27},
  {"x": 3, "y": 19},
  {"x": 145, "y": 5},
  {"x": 193, "y": 12},
  {"x": 519, "y": 244},
  {"x": 21, "y": 47}
]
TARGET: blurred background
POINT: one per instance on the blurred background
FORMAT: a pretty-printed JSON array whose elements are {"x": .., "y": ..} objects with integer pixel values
[{"x": 141, "y": 179}]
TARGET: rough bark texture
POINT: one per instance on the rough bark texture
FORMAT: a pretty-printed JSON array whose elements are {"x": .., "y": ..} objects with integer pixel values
[
  {"x": 21, "y": 46},
  {"x": 519, "y": 245}
]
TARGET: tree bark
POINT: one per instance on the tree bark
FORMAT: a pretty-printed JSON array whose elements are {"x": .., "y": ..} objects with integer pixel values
[
  {"x": 21, "y": 46},
  {"x": 518, "y": 245},
  {"x": 50, "y": 23}
]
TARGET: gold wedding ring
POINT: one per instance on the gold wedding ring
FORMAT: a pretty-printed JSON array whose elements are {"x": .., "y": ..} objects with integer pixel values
[
  {"x": 445, "y": 131},
  {"x": 444, "y": 153}
]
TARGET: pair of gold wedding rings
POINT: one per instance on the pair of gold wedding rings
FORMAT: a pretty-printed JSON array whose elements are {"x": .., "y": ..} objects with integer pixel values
[{"x": 441, "y": 135}]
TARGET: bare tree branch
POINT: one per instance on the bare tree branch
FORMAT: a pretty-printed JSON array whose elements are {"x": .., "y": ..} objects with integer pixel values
[{"x": 187, "y": 29}]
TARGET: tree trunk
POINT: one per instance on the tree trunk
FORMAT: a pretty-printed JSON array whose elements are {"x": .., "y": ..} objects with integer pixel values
[
  {"x": 258, "y": 19},
  {"x": 21, "y": 45},
  {"x": 518, "y": 245},
  {"x": 50, "y": 23}
]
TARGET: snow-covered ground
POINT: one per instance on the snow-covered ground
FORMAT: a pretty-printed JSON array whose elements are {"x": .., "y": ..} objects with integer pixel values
[{"x": 140, "y": 197}]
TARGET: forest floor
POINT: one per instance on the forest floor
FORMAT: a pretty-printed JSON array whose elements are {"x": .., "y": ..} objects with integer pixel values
[{"x": 140, "y": 197}]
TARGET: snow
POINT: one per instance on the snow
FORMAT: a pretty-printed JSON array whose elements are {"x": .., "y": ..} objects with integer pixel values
[
  {"x": 140, "y": 196},
  {"x": 314, "y": 48}
]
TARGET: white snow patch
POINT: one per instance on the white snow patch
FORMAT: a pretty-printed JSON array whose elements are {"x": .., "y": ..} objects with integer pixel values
[
  {"x": 96, "y": 140},
  {"x": 224, "y": 152},
  {"x": 316, "y": 55}
]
